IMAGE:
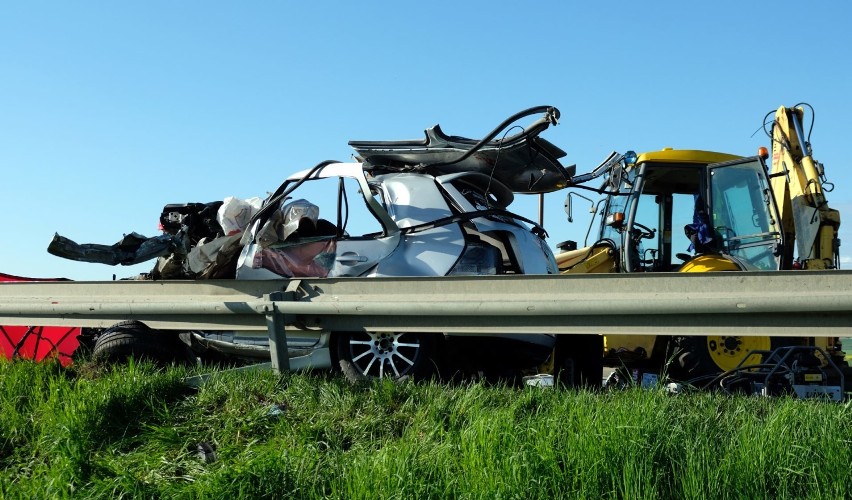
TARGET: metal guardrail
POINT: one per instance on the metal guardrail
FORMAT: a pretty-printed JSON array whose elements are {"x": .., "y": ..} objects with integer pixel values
[
  {"x": 780, "y": 303},
  {"x": 795, "y": 303},
  {"x": 198, "y": 305}
]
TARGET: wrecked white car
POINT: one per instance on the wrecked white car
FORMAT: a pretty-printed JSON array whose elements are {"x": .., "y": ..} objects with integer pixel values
[{"x": 434, "y": 207}]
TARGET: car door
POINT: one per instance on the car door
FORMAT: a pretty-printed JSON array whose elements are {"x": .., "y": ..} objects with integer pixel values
[
  {"x": 363, "y": 233},
  {"x": 367, "y": 233}
]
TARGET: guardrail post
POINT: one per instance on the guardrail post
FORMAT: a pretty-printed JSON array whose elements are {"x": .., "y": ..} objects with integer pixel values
[
  {"x": 275, "y": 323},
  {"x": 277, "y": 335}
]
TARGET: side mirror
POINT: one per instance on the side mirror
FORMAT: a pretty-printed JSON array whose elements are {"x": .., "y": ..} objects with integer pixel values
[{"x": 568, "y": 207}]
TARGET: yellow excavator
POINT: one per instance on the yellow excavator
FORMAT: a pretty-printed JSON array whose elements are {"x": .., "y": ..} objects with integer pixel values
[{"x": 701, "y": 211}]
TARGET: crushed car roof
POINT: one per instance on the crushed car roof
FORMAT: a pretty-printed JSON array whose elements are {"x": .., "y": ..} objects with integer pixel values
[{"x": 524, "y": 162}]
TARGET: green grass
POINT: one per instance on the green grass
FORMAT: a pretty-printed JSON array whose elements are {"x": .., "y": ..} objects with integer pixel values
[{"x": 134, "y": 432}]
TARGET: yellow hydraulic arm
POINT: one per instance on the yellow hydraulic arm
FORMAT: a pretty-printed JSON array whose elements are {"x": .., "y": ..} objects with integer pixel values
[{"x": 798, "y": 182}]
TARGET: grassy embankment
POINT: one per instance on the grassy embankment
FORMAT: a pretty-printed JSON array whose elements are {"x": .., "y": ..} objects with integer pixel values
[{"x": 134, "y": 432}]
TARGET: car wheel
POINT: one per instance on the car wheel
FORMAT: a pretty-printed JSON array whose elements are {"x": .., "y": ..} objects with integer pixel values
[
  {"x": 134, "y": 339},
  {"x": 398, "y": 356}
]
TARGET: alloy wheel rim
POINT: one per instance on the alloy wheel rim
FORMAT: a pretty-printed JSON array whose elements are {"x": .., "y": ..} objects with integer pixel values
[{"x": 384, "y": 354}]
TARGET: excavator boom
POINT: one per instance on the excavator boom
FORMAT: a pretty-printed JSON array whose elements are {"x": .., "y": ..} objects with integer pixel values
[{"x": 798, "y": 183}]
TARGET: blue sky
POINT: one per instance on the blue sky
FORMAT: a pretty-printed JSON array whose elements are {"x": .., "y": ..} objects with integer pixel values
[{"x": 110, "y": 110}]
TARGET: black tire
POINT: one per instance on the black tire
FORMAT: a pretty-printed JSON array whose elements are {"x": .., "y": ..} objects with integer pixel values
[
  {"x": 692, "y": 359},
  {"x": 134, "y": 339},
  {"x": 398, "y": 356}
]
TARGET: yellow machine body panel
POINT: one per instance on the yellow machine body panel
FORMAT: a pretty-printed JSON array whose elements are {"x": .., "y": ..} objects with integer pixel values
[
  {"x": 587, "y": 260},
  {"x": 670, "y": 155},
  {"x": 708, "y": 263}
]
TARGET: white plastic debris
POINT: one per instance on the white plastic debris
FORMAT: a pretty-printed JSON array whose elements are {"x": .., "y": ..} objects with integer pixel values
[
  {"x": 540, "y": 380},
  {"x": 235, "y": 213},
  {"x": 674, "y": 388}
]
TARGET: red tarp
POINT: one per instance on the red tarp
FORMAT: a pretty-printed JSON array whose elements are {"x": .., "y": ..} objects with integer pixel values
[{"x": 37, "y": 342}]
